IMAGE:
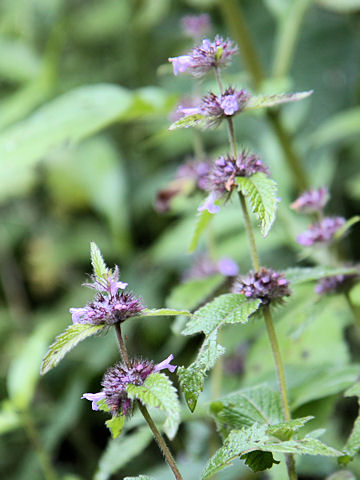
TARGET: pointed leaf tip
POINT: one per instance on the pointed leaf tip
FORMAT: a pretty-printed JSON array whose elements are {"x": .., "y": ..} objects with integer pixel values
[{"x": 99, "y": 266}]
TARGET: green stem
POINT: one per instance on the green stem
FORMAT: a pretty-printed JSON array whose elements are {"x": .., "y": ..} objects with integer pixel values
[
  {"x": 157, "y": 435},
  {"x": 353, "y": 309},
  {"x": 237, "y": 24},
  {"x": 160, "y": 441},
  {"x": 250, "y": 233},
  {"x": 43, "y": 457},
  {"x": 232, "y": 139}
]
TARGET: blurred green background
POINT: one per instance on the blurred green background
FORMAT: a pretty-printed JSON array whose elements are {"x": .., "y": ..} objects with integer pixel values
[{"x": 86, "y": 95}]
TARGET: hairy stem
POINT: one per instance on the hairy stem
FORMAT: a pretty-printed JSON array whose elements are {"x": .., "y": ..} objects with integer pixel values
[
  {"x": 250, "y": 233},
  {"x": 43, "y": 457},
  {"x": 157, "y": 435},
  {"x": 160, "y": 441}
]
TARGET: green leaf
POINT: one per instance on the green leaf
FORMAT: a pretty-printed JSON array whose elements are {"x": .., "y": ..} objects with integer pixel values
[
  {"x": 66, "y": 342},
  {"x": 259, "y": 461},
  {"x": 203, "y": 219},
  {"x": 163, "y": 312},
  {"x": 341, "y": 475},
  {"x": 345, "y": 6},
  {"x": 257, "y": 437},
  {"x": 352, "y": 445},
  {"x": 309, "y": 274},
  {"x": 99, "y": 267},
  {"x": 140, "y": 477},
  {"x": 265, "y": 101},
  {"x": 121, "y": 451},
  {"x": 196, "y": 120},
  {"x": 225, "y": 309},
  {"x": 261, "y": 192},
  {"x": 115, "y": 425},
  {"x": 158, "y": 391},
  {"x": 339, "y": 127},
  {"x": 285, "y": 430},
  {"x": 9, "y": 417}
]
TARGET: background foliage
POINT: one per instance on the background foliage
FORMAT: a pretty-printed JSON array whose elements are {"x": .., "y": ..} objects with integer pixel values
[{"x": 86, "y": 96}]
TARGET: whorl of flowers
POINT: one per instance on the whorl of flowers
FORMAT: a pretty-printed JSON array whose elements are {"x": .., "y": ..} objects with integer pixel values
[
  {"x": 196, "y": 26},
  {"x": 196, "y": 170},
  {"x": 311, "y": 201},
  {"x": 118, "y": 377},
  {"x": 266, "y": 285},
  {"x": 336, "y": 283},
  {"x": 204, "y": 267},
  {"x": 111, "y": 304},
  {"x": 226, "y": 168},
  {"x": 322, "y": 231},
  {"x": 204, "y": 57}
]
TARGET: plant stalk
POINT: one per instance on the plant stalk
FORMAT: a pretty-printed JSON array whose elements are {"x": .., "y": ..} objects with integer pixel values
[
  {"x": 250, "y": 233},
  {"x": 353, "y": 309},
  {"x": 157, "y": 435}
]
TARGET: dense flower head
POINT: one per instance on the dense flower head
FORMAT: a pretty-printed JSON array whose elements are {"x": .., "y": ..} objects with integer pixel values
[
  {"x": 266, "y": 285},
  {"x": 111, "y": 304},
  {"x": 196, "y": 26},
  {"x": 335, "y": 283},
  {"x": 118, "y": 377},
  {"x": 322, "y": 231},
  {"x": 196, "y": 170},
  {"x": 204, "y": 267},
  {"x": 204, "y": 57},
  {"x": 226, "y": 168},
  {"x": 312, "y": 200}
]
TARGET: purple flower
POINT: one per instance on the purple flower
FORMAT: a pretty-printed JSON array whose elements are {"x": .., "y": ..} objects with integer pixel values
[
  {"x": 204, "y": 267},
  {"x": 266, "y": 285},
  {"x": 336, "y": 283},
  {"x": 196, "y": 25},
  {"x": 196, "y": 170},
  {"x": 228, "y": 267},
  {"x": 322, "y": 231},
  {"x": 110, "y": 305},
  {"x": 209, "y": 204},
  {"x": 311, "y": 201},
  {"x": 118, "y": 377},
  {"x": 204, "y": 57},
  {"x": 222, "y": 176},
  {"x": 218, "y": 107}
]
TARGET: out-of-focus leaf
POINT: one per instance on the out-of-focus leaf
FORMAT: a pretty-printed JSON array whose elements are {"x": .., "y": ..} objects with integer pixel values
[
  {"x": 18, "y": 62},
  {"x": 121, "y": 451},
  {"x": 262, "y": 194},
  {"x": 158, "y": 391},
  {"x": 266, "y": 101},
  {"x": 24, "y": 370},
  {"x": 194, "y": 120},
  {"x": 343, "y": 6},
  {"x": 67, "y": 119},
  {"x": 338, "y": 128},
  {"x": 9, "y": 417},
  {"x": 347, "y": 225},
  {"x": 352, "y": 445},
  {"x": 163, "y": 312},
  {"x": 309, "y": 274},
  {"x": 140, "y": 477},
  {"x": 66, "y": 342},
  {"x": 341, "y": 475},
  {"x": 202, "y": 221}
]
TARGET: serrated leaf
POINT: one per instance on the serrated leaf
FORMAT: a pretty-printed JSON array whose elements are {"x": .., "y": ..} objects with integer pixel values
[
  {"x": 225, "y": 309},
  {"x": 66, "y": 342},
  {"x": 250, "y": 439},
  {"x": 202, "y": 221},
  {"x": 302, "y": 275},
  {"x": 164, "y": 312},
  {"x": 99, "y": 266},
  {"x": 121, "y": 451},
  {"x": 259, "y": 461},
  {"x": 195, "y": 120},
  {"x": 352, "y": 444},
  {"x": 285, "y": 430},
  {"x": 261, "y": 192},
  {"x": 115, "y": 425},
  {"x": 158, "y": 391},
  {"x": 266, "y": 101}
]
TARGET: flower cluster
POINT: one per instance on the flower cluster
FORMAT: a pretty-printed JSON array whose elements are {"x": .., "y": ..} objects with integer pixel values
[
  {"x": 204, "y": 57},
  {"x": 320, "y": 232},
  {"x": 204, "y": 267},
  {"x": 217, "y": 107},
  {"x": 336, "y": 283},
  {"x": 196, "y": 26},
  {"x": 118, "y": 377},
  {"x": 314, "y": 200},
  {"x": 226, "y": 168},
  {"x": 266, "y": 285},
  {"x": 111, "y": 304}
]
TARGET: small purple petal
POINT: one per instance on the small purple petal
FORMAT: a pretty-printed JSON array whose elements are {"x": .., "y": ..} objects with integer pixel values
[
  {"x": 181, "y": 63},
  {"x": 165, "y": 364},
  {"x": 77, "y": 313},
  {"x": 229, "y": 104},
  {"x": 228, "y": 267},
  {"x": 186, "y": 111},
  {"x": 94, "y": 398},
  {"x": 209, "y": 204}
]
